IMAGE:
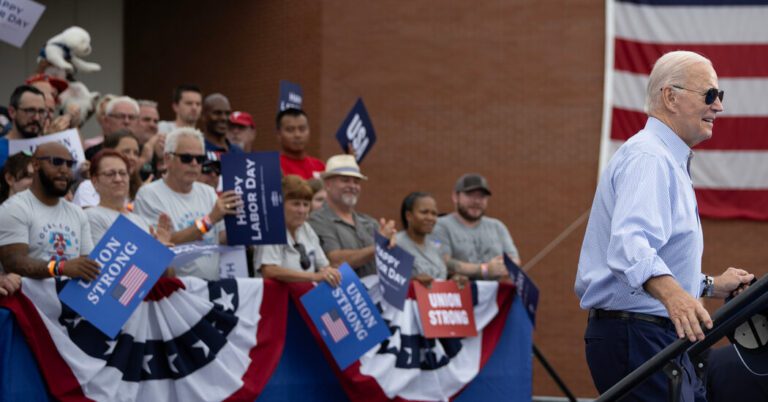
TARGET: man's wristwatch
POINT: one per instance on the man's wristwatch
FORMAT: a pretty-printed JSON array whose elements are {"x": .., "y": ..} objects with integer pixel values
[{"x": 708, "y": 288}]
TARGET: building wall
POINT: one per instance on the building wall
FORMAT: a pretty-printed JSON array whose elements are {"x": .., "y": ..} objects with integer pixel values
[{"x": 512, "y": 90}]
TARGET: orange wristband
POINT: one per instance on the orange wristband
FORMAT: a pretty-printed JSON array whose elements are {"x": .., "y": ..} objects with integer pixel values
[{"x": 51, "y": 265}]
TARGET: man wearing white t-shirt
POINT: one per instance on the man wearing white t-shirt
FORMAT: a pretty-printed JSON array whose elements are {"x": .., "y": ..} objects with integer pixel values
[
  {"x": 41, "y": 234},
  {"x": 194, "y": 208}
]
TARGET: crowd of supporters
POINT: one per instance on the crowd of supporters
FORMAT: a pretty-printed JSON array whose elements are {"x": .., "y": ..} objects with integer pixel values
[{"x": 165, "y": 176}]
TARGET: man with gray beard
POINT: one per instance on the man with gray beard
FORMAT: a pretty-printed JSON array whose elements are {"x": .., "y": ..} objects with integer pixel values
[{"x": 345, "y": 234}]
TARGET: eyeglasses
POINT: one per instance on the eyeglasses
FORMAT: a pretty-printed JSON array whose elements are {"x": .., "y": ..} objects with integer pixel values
[
  {"x": 34, "y": 111},
  {"x": 709, "y": 95},
  {"x": 124, "y": 116},
  {"x": 211, "y": 167},
  {"x": 112, "y": 173},
  {"x": 188, "y": 158},
  {"x": 303, "y": 257},
  {"x": 56, "y": 161}
]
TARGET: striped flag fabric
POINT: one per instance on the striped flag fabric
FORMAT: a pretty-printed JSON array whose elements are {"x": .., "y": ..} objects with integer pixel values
[
  {"x": 335, "y": 325},
  {"x": 129, "y": 285},
  {"x": 729, "y": 171}
]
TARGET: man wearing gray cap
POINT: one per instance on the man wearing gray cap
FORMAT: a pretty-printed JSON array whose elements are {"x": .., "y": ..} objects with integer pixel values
[
  {"x": 473, "y": 243},
  {"x": 345, "y": 234}
]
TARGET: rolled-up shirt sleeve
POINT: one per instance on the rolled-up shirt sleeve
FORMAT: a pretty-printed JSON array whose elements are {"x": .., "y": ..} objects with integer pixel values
[{"x": 642, "y": 220}]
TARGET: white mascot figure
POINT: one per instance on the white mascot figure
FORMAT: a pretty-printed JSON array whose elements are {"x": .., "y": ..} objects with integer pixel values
[{"x": 65, "y": 52}]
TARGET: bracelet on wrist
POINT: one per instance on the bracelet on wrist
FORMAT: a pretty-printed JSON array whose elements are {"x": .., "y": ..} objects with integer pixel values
[
  {"x": 52, "y": 268},
  {"x": 484, "y": 270}
]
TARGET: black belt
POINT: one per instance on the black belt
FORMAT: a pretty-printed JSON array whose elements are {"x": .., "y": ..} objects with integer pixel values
[{"x": 598, "y": 314}]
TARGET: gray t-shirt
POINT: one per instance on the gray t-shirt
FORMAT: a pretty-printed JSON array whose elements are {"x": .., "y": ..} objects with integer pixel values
[
  {"x": 61, "y": 230},
  {"x": 101, "y": 218},
  {"x": 155, "y": 198},
  {"x": 286, "y": 255},
  {"x": 479, "y": 244},
  {"x": 335, "y": 234},
  {"x": 427, "y": 259}
]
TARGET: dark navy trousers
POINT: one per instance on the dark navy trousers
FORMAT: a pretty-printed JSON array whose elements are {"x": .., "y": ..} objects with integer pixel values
[{"x": 616, "y": 347}]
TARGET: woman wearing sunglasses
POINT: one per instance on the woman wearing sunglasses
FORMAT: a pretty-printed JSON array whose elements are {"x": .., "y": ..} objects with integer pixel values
[
  {"x": 110, "y": 178},
  {"x": 302, "y": 259},
  {"x": 126, "y": 144},
  {"x": 418, "y": 214}
]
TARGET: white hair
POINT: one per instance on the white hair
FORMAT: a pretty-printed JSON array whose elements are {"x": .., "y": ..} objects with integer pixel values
[
  {"x": 172, "y": 139},
  {"x": 121, "y": 99},
  {"x": 147, "y": 103},
  {"x": 672, "y": 68}
]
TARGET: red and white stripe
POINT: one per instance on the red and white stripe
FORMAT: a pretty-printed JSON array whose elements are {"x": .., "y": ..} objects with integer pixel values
[
  {"x": 336, "y": 327},
  {"x": 730, "y": 171},
  {"x": 132, "y": 281}
]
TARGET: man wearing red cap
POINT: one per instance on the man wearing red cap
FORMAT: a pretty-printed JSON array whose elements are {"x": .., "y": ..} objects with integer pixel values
[
  {"x": 241, "y": 130},
  {"x": 293, "y": 135}
]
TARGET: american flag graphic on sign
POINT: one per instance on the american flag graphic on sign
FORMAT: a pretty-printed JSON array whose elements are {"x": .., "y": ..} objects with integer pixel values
[
  {"x": 129, "y": 285},
  {"x": 335, "y": 325},
  {"x": 729, "y": 171}
]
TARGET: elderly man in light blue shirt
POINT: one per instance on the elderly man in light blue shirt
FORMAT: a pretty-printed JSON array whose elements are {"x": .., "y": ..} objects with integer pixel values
[{"x": 640, "y": 266}]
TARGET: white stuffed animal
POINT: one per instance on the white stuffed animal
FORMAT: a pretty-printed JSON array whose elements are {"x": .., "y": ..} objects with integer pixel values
[
  {"x": 79, "y": 102},
  {"x": 65, "y": 51}
]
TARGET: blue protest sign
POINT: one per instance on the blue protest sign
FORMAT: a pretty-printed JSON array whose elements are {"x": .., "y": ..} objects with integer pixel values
[
  {"x": 525, "y": 287},
  {"x": 357, "y": 130},
  {"x": 131, "y": 262},
  {"x": 394, "y": 266},
  {"x": 291, "y": 96},
  {"x": 3, "y": 151},
  {"x": 256, "y": 177},
  {"x": 345, "y": 317}
]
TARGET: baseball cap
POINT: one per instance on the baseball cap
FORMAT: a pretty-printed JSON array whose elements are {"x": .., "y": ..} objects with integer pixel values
[
  {"x": 241, "y": 119},
  {"x": 470, "y": 182}
]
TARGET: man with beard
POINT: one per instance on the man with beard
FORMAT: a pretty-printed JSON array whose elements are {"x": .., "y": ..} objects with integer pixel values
[
  {"x": 293, "y": 135},
  {"x": 472, "y": 243},
  {"x": 41, "y": 234},
  {"x": 345, "y": 234},
  {"x": 194, "y": 208},
  {"x": 27, "y": 111}
]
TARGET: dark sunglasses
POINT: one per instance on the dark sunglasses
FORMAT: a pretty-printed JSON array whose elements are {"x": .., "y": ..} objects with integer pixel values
[
  {"x": 709, "y": 95},
  {"x": 56, "y": 161},
  {"x": 188, "y": 158},
  {"x": 211, "y": 167},
  {"x": 303, "y": 257}
]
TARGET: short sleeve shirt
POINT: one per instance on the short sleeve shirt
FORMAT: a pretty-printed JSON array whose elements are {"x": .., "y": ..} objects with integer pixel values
[
  {"x": 287, "y": 256},
  {"x": 336, "y": 234},
  {"x": 86, "y": 195},
  {"x": 50, "y": 231},
  {"x": 306, "y": 168},
  {"x": 488, "y": 239},
  {"x": 427, "y": 259},
  {"x": 101, "y": 218},
  {"x": 183, "y": 209}
]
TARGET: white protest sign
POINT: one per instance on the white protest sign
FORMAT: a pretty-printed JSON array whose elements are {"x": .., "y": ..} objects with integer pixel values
[
  {"x": 69, "y": 138},
  {"x": 233, "y": 262},
  {"x": 17, "y": 18}
]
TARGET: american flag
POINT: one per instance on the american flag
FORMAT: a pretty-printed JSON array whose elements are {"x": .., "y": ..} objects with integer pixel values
[
  {"x": 335, "y": 325},
  {"x": 129, "y": 285},
  {"x": 729, "y": 171}
]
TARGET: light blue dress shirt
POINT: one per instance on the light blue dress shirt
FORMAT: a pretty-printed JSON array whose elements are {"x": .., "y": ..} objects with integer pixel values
[{"x": 644, "y": 223}]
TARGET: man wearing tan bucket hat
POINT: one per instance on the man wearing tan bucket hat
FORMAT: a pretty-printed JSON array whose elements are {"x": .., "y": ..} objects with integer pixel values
[{"x": 345, "y": 234}]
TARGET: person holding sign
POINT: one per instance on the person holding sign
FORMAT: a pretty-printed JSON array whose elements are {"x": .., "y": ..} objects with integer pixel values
[
  {"x": 345, "y": 234},
  {"x": 418, "y": 215},
  {"x": 41, "y": 234},
  {"x": 110, "y": 174},
  {"x": 195, "y": 209},
  {"x": 293, "y": 135},
  {"x": 302, "y": 259},
  {"x": 473, "y": 243}
]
